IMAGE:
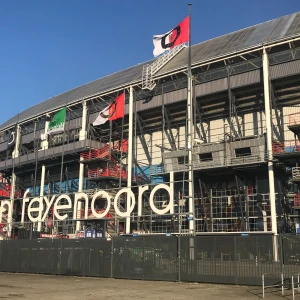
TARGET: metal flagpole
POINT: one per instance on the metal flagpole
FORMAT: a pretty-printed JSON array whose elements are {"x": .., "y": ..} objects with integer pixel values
[
  {"x": 121, "y": 154},
  {"x": 36, "y": 157},
  {"x": 15, "y": 154},
  {"x": 129, "y": 157},
  {"x": 190, "y": 134},
  {"x": 63, "y": 152}
]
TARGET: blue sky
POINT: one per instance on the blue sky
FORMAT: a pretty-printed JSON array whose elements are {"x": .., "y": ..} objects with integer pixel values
[{"x": 51, "y": 46}]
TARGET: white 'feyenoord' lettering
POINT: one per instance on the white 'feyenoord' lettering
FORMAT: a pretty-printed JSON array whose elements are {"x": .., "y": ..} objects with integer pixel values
[{"x": 42, "y": 205}]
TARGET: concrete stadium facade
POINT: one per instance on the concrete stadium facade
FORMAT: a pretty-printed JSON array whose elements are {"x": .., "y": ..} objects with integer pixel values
[{"x": 109, "y": 180}]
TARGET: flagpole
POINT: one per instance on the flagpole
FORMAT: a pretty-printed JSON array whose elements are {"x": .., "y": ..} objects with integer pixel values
[
  {"x": 15, "y": 154},
  {"x": 63, "y": 151},
  {"x": 121, "y": 155},
  {"x": 190, "y": 133},
  {"x": 129, "y": 157}
]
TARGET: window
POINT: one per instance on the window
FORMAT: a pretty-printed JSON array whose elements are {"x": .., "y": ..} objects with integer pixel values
[
  {"x": 206, "y": 156},
  {"x": 183, "y": 160},
  {"x": 243, "y": 152}
]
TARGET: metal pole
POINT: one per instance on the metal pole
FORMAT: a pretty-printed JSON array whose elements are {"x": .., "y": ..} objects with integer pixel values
[
  {"x": 36, "y": 157},
  {"x": 82, "y": 136},
  {"x": 129, "y": 159},
  {"x": 269, "y": 150},
  {"x": 121, "y": 153},
  {"x": 42, "y": 191},
  {"x": 83, "y": 133},
  {"x": 190, "y": 135},
  {"x": 63, "y": 154},
  {"x": 163, "y": 117},
  {"x": 15, "y": 154}
]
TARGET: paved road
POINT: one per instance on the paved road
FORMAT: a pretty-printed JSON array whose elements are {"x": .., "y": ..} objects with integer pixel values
[{"x": 36, "y": 287}]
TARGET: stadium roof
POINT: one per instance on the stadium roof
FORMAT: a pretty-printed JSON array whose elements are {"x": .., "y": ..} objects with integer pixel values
[{"x": 248, "y": 38}]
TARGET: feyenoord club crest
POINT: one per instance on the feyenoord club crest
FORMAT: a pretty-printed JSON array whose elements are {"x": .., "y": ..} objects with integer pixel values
[
  {"x": 112, "y": 110},
  {"x": 12, "y": 138}
]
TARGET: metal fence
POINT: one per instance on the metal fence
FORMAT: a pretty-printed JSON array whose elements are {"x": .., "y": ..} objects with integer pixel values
[{"x": 240, "y": 259}]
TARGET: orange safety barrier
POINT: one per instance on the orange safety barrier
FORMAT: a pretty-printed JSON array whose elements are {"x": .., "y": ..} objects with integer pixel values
[
  {"x": 286, "y": 146},
  {"x": 5, "y": 192},
  {"x": 278, "y": 147},
  {"x": 296, "y": 199},
  {"x": 104, "y": 152},
  {"x": 2, "y": 225},
  {"x": 107, "y": 172},
  {"x": 117, "y": 145},
  {"x": 250, "y": 190},
  {"x": 294, "y": 119}
]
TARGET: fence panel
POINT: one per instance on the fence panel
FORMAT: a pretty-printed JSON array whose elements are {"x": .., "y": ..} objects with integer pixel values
[
  {"x": 152, "y": 258},
  {"x": 291, "y": 254},
  {"x": 240, "y": 259},
  {"x": 255, "y": 256},
  {"x": 97, "y": 258},
  {"x": 72, "y": 257},
  {"x": 208, "y": 259},
  {"x": 9, "y": 256},
  {"x": 23, "y": 255}
]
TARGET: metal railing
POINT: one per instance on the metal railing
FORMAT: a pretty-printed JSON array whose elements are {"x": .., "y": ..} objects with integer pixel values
[
  {"x": 294, "y": 119},
  {"x": 293, "y": 284},
  {"x": 149, "y": 70},
  {"x": 273, "y": 285}
]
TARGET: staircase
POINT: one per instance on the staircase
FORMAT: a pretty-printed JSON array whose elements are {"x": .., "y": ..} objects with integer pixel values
[
  {"x": 112, "y": 226},
  {"x": 149, "y": 70}
]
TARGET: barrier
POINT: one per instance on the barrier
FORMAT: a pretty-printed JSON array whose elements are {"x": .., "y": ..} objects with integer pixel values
[{"x": 234, "y": 259}]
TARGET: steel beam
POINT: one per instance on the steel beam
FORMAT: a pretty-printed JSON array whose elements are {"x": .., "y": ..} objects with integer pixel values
[
  {"x": 200, "y": 114},
  {"x": 168, "y": 130},
  {"x": 142, "y": 138},
  {"x": 279, "y": 129}
]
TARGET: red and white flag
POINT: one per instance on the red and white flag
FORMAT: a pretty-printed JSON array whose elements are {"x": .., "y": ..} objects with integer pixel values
[
  {"x": 112, "y": 112},
  {"x": 173, "y": 38}
]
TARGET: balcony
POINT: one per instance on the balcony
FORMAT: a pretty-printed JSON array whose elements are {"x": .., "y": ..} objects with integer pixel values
[{"x": 49, "y": 154}]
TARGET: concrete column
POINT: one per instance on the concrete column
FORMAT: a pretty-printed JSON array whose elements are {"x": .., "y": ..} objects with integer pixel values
[
  {"x": 82, "y": 136},
  {"x": 12, "y": 200},
  {"x": 269, "y": 148},
  {"x": 15, "y": 154},
  {"x": 44, "y": 143},
  {"x": 129, "y": 157},
  {"x": 80, "y": 189},
  {"x": 43, "y": 173},
  {"x": 190, "y": 131},
  {"x": 83, "y": 133}
]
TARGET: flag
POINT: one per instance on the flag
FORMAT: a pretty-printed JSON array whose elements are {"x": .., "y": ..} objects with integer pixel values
[
  {"x": 112, "y": 112},
  {"x": 173, "y": 38},
  {"x": 11, "y": 142},
  {"x": 57, "y": 123}
]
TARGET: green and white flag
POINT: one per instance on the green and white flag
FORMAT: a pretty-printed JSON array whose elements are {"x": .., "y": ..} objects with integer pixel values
[{"x": 57, "y": 123}]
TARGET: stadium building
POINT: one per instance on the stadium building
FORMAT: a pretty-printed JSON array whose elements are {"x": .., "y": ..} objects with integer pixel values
[{"x": 226, "y": 163}]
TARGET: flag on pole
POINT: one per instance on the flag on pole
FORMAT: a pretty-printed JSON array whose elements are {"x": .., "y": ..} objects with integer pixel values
[
  {"x": 112, "y": 112},
  {"x": 57, "y": 123},
  {"x": 11, "y": 142},
  {"x": 173, "y": 38}
]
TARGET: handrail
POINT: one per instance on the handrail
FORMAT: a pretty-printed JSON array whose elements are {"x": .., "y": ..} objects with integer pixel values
[
  {"x": 275, "y": 285},
  {"x": 293, "y": 285}
]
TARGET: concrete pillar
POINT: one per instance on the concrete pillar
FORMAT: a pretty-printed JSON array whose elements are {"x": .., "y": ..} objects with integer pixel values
[
  {"x": 82, "y": 136},
  {"x": 43, "y": 173},
  {"x": 83, "y": 133},
  {"x": 269, "y": 148},
  {"x": 44, "y": 143},
  {"x": 129, "y": 158}
]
